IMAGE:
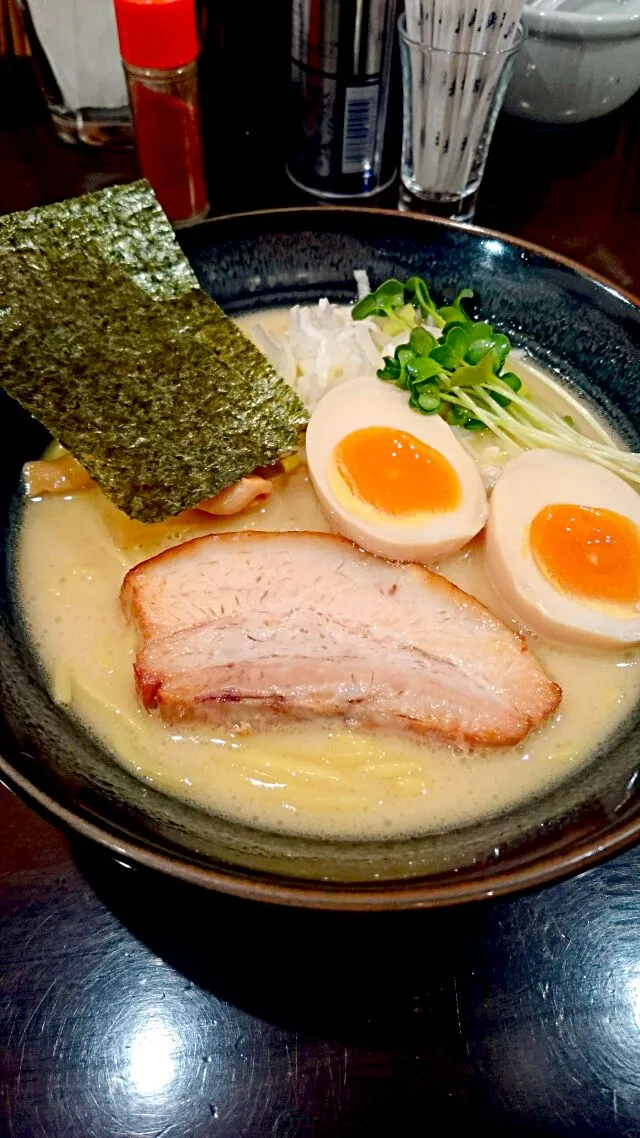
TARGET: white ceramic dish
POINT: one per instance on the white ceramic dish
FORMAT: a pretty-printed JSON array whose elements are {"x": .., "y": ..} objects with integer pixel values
[{"x": 577, "y": 65}]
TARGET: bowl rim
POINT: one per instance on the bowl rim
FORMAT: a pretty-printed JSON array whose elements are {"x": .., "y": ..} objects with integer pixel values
[
  {"x": 581, "y": 25},
  {"x": 359, "y": 897},
  {"x": 521, "y": 243},
  {"x": 389, "y": 895}
]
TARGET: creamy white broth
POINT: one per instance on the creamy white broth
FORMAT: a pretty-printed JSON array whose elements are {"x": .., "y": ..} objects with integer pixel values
[{"x": 321, "y": 780}]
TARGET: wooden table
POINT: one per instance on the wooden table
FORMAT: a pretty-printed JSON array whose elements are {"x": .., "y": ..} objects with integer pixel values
[{"x": 131, "y": 1005}]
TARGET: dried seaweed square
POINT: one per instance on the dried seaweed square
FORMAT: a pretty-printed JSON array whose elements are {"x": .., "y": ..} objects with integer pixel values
[{"x": 107, "y": 339}]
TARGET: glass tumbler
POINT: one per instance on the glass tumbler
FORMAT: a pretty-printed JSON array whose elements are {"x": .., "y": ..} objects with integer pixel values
[
  {"x": 75, "y": 52},
  {"x": 451, "y": 101}
]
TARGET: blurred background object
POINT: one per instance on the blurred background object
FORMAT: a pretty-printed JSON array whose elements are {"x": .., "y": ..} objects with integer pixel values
[
  {"x": 13, "y": 39},
  {"x": 75, "y": 53},
  {"x": 581, "y": 59},
  {"x": 244, "y": 91}
]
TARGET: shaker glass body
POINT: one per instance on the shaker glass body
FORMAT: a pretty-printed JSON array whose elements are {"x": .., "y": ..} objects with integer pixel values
[{"x": 166, "y": 119}]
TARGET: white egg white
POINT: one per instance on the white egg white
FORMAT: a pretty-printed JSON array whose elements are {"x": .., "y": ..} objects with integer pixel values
[
  {"x": 367, "y": 402},
  {"x": 529, "y": 483}
]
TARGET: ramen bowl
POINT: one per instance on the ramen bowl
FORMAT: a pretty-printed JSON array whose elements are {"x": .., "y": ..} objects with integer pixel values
[{"x": 565, "y": 318}]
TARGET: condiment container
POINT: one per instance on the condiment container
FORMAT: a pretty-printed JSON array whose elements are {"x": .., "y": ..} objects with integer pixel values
[
  {"x": 340, "y": 69},
  {"x": 159, "y": 48}
]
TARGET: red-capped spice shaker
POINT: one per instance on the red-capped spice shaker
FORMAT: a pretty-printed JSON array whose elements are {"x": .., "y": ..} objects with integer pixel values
[{"x": 159, "y": 49}]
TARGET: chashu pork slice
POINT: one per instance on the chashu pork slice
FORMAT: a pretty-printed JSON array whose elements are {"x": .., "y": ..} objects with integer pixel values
[{"x": 244, "y": 630}]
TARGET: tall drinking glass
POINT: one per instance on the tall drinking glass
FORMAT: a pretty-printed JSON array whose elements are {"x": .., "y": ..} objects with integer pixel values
[
  {"x": 451, "y": 101},
  {"x": 74, "y": 44}
]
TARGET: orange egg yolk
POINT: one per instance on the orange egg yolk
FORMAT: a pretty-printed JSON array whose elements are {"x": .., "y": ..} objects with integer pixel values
[
  {"x": 588, "y": 552},
  {"x": 396, "y": 473}
]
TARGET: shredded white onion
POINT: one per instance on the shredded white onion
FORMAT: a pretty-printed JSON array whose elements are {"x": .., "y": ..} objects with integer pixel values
[
  {"x": 362, "y": 282},
  {"x": 323, "y": 346}
]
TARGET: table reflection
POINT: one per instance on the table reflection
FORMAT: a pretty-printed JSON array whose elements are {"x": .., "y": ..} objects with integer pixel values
[{"x": 156, "y": 1008}]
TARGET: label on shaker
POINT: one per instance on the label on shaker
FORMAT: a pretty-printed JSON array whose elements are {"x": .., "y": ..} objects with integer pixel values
[{"x": 360, "y": 125}]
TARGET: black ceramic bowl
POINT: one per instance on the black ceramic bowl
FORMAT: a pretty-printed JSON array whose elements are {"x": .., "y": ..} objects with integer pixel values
[{"x": 569, "y": 321}]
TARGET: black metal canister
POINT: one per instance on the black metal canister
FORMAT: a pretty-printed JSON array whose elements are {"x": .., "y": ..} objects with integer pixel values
[{"x": 341, "y": 54}]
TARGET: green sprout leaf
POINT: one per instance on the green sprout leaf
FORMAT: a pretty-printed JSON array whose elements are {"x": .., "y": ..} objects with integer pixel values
[
  {"x": 391, "y": 369},
  {"x": 422, "y": 342},
  {"x": 386, "y": 299},
  {"x": 450, "y": 351},
  {"x": 422, "y": 368},
  {"x": 474, "y": 375},
  {"x": 454, "y": 313},
  {"x": 456, "y": 416},
  {"x": 365, "y": 307},
  {"x": 429, "y": 402},
  {"x": 513, "y": 381},
  {"x": 501, "y": 349},
  {"x": 417, "y": 291},
  {"x": 459, "y": 375}
]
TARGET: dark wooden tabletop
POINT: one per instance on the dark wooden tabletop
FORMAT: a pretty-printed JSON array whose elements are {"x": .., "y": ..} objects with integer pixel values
[{"x": 133, "y": 1006}]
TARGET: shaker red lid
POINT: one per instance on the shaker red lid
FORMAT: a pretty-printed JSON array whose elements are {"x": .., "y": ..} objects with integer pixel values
[{"x": 157, "y": 33}]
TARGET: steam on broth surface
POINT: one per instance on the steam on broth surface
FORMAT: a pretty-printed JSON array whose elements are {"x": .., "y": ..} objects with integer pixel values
[{"x": 307, "y": 779}]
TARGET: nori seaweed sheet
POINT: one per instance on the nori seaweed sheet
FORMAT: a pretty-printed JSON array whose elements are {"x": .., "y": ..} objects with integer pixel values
[
  {"x": 122, "y": 225},
  {"x": 107, "y": 339}
]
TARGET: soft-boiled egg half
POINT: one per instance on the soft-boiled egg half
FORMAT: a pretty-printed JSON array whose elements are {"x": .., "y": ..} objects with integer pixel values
[
  {"x": 398, "y": 483},
  {"x": 563, "y": 548}
]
